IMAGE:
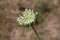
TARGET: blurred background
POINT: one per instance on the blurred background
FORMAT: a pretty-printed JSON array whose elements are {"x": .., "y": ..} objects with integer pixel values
[{"x": 48, "y": 20}]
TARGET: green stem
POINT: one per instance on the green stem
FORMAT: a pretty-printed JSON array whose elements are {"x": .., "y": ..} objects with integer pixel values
[{"x": 36, "y": 33}]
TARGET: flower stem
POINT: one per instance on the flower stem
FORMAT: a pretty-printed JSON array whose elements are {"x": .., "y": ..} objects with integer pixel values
[{"x": 36, "y": 32}]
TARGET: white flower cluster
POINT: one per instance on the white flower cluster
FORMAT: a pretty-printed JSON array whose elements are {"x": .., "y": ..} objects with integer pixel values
[{"x": 27, "y": 17}]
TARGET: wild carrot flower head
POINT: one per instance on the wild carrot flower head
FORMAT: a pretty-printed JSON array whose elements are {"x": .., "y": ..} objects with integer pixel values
[{"x": 27, "y": 17}]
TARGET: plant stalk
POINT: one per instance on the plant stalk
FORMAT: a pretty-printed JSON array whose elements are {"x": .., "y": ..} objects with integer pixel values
[{"x": 36, "y": 32}]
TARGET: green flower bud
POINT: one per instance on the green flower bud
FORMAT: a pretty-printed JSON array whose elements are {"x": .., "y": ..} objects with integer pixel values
[{"x": 28, "y": 17}]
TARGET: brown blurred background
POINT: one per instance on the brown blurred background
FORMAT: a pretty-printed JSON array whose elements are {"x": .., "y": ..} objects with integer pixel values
[{"x": 48, "y": 23}]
